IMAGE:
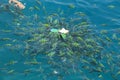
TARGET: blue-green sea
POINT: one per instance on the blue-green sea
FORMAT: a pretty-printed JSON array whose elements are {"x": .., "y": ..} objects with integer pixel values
[{"x": 60, "y": 40}]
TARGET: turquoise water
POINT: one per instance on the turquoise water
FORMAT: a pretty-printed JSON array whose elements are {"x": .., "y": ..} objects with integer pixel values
[{"x": 26, "y": 40}]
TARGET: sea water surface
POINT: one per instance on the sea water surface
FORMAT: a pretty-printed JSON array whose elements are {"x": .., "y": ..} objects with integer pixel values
[{"x": 17, "y": 26}]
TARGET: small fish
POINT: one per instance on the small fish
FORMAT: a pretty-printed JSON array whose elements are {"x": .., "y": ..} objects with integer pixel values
[
  {"x": 85, "y": 61},
  {"x": 27, "y": 71},
  {"x": 108, "y": 39},
  {"x": 98, "y": 69},
  {"x": 37, "y": 8},
  {"x": 118, "y": 73},
  {"x": 55, "y": 72},
  {"x": 51, "y": 54},
  {"x": 80, "y": 13},
  {"x": 100, "y": 76},
  {"x": 101, "y": 65},
  {"x": 6, "y": 31},
  {"x": 54, "y": 30},
  {"x": 55, "y": 21},
  {"x": 103, "y": 24},
  {"x": 38, "y": 2},
  {"x": 11, "y": 71},
  {"x": 111, "y": 6},
  {"x": 5, "y": 39},
  {"x": 8, "y": 45},
  {"x": 94, "y": 62},
  {"x": 114, "y": 36},
  {"x": 103, "y": 31},
  {"x": 71, "y": 6},
  {"x": 46, "y": 25},
  {"x": 33, "y": 62},
  {"x": 11, "y": 63},
  {"x": 19, "y": 34}
]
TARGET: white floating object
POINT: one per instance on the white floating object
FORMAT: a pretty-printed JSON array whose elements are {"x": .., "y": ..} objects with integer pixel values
[{"x": 64, "y": 31}]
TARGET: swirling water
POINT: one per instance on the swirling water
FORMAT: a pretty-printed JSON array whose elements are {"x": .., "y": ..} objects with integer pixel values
[{"x": 102, "y": 15}]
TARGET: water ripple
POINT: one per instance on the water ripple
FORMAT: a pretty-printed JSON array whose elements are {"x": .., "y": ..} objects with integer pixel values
[{"x": 59, "y": 2}]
